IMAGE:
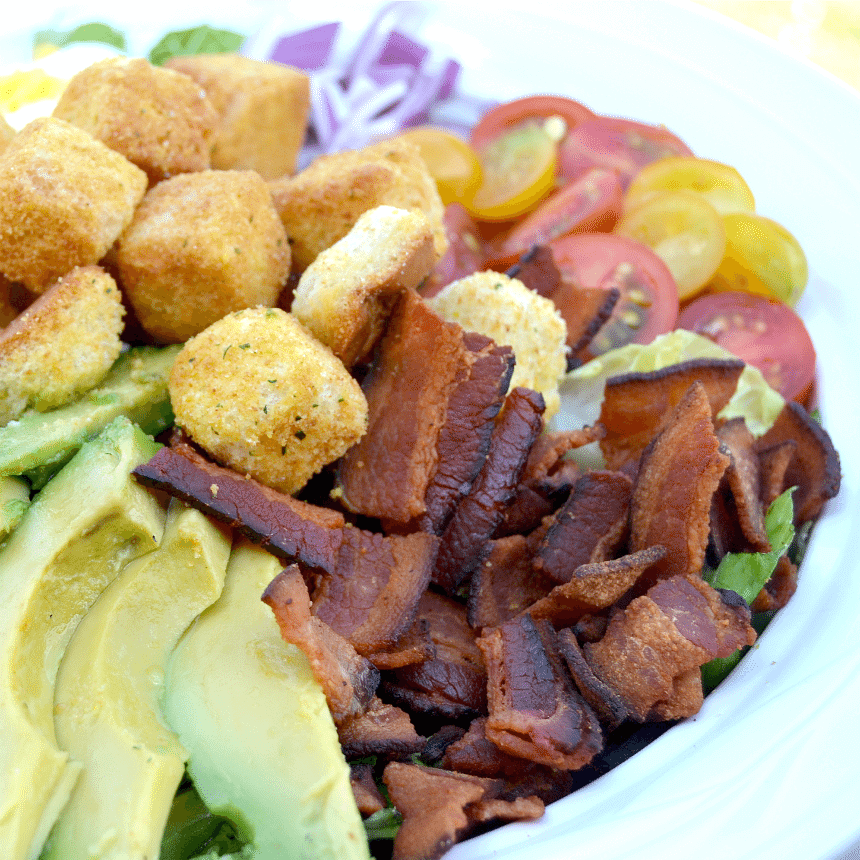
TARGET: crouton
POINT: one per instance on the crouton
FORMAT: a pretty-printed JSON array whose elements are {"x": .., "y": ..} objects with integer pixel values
[
  {"x": 62, "y": 345},
  {"x": 64, "y": 199},
  {"x": 200, "y": 246},
  {"x": 262, "y": 395},
  {"x": 346, "y": 294},
  {"x": 262, "y": 111},
  {"x": 321, "y": 204},
  {"x": 507, "y": 311},
  {"x": 159, "y": 119}
]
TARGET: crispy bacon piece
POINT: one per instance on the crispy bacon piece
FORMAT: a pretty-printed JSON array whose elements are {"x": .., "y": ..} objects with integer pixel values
[
  {"x": 453, "y": 684},
  {"x": 589, "y": 527},
  {"x": 285, "y": 526},
  {"x": 479, "y": 513},
  {"x": 498, "y": 809},
  {"x": 779, "y": 589},
  {"x": 585, "y": 310},
  {"x": 382, "y": 730},
  {"x": 537, "y": 270},
  {"x": 814, "y": 469},
  {"x": 604, "y": 701},
  {"x": 637, "y": 406},
  {"x": 464, "y": 438},
  {"x": 433, "y": 804},
  {"x": 678, "y": 476},
  {"x": 550, "y": 447},
  {"x": 594, "y": 587},
  {"x": 773, "y": 466},
  {"x": 371, "y": 596},
  {"x": 505, "y": 583},
  {"x": 652, "y": 650},
  {"x": 473, "y": 753},
  {"x": 368, "y": 798},
  {"x": 414, "y": 646},
  {"x": 347, "y": 679},
  {"x": 386, "y": 473},
  {"x": 744, "y": 481},
  {"x": 535, "y": 712}
]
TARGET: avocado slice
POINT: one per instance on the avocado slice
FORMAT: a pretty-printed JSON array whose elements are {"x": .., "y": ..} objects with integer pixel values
[
  {"x": 14, "y": 500},
  {"x": 39, "y": 443},
  {"x": 263, "y": 749},
  {"x": 74, "y": 539},
  {"x": 106, "y": 710}
]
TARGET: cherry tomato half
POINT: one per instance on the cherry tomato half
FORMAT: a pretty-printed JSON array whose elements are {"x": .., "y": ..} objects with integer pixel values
[
  {"x": 649, "y": 297},
  {"x": 684, "y": 230},
  {"x": 540, "y": 108},
  {"x": 722, "y": 186},
  {"x": 622, "y": 145},
  {"x": 761, "y": 257},
  {"x": 518, "y": 171},
  {"x": 465, "y": 254},
  {"x": 451, "y": 161},
  {"x": 765, "y": 333},
  {"x": 591, "y": 204}
]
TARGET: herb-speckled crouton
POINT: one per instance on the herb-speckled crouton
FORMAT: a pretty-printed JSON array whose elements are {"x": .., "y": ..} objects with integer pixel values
[
  {"x": 321, "y": 204},
  {"x": 507, "y": 311},
  {"x": 157, "y": 118},
  {"x": 262, "y": 111},
  {"x": 62, "y": 345},
  {"x": 64, "y": 199},
  {"x": 262, "y": 395}
]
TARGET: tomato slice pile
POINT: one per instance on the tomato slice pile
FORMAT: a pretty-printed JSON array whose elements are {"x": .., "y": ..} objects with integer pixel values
[{"x": 624, "y": 204}]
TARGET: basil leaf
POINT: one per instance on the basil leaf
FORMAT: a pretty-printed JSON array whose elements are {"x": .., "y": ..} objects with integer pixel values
[{"x": 196, "y": 40}]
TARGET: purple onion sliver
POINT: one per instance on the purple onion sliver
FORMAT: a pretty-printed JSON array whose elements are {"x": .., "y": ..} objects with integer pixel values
[
  {"x": 399, "y": 49},
  {"x": 309, "y": 49}
]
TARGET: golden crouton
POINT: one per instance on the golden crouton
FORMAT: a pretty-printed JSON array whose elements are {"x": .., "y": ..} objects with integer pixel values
[
  {"x": 64, "y": 199},
  {"x": 261, "y": 394},
  {"x": 62, "y": 345},
  {"x": 157, "y": 118},
  {"x": 507, "y": 311},
  {"x": 262, "y": 108},
  {"x": 322, "y": 203},
  {"x": 345, "y": 295},
  {"x": 200, "y": 246}
]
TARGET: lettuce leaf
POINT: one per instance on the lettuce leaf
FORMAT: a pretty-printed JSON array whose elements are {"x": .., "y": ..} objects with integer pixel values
[
  {"x": 97, "y": 31},
  {"x": 196, "y": 40}
]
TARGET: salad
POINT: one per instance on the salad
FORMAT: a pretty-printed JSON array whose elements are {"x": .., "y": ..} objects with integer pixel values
[{"x": 493, "y": 207}]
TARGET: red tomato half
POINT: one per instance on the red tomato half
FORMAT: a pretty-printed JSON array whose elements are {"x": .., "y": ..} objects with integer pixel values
[
  {"x": 593, "y": 203},
  {"x": 465, "y": 253},
  {"x": 649, "y": 297},
  {"x": 763, "y": 332},
  {"x": 618, "y": 144},
  {"x": 505, "y": 116}
]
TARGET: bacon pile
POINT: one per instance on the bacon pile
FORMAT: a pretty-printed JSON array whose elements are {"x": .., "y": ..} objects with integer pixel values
[{"x": 467, "y": 594}]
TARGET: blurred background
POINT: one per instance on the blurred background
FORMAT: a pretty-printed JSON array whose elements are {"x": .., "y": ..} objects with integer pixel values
[{"x": 827, "y": 33}]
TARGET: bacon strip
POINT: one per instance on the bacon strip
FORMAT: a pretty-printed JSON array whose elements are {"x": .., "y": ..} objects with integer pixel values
[
  {"x": 347, "y": 679},
  {"x": 464, "y": 541},
  {"x": 637, "y": 406},
  {"x": 651, "y": 652},
  {"x": 535, "y": 711},
  {"x": 285, "y": 526},
  {"x": 814, "y": 469},
  {"x": 386, "y": 473},
  {"x": 677, "y": 479},
  {"x": 381, "y": 729},
  {"x": 371, "y": 596},
  {"x": 464, "y": 438},
  {"x": 589, "y": 527}
]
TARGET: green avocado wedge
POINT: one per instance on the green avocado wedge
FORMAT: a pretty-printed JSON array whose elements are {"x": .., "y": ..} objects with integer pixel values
[
  {"x": 39, "y": 443},
  {"x": 106, "y": 703},
  {"x": 76, "y": 536},
  {"x": 263, "y": 749}
]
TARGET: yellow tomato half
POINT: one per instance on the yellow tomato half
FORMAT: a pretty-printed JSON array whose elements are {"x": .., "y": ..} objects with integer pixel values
[
  {"x": 518, "y": 169},
  {"x": 451, "y": 162},
  {"x": 684, "y": 230},
  {"x": 761, "y": 257},
  {"x": 722, "y": 186}
]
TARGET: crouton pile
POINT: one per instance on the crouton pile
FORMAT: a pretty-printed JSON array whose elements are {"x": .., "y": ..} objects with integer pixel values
[{"x": 160, "y": 205}]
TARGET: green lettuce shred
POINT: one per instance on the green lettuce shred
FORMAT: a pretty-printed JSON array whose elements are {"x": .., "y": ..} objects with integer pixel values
[
  {"x": 196, "y": 40},
  {"x": 96, "y": 31}
]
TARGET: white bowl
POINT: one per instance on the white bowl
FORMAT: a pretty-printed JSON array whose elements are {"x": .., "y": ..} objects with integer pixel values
[{"x": 768, "y": 769}]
